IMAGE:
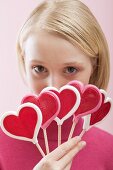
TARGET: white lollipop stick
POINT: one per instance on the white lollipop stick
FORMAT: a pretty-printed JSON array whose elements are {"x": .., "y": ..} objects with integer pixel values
[
  {"x": 86, "y": 124},
  {"x": 40, "y": 149},
  {"x": 72, "y": 130},
  {"x": 46, "y": 141},
  {"x": 59, "y": 135}
]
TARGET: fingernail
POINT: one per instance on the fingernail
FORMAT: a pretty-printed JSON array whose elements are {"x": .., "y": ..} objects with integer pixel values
[
  {"x": 83, "y": 144},
  {"x": 77, "y": 138}
]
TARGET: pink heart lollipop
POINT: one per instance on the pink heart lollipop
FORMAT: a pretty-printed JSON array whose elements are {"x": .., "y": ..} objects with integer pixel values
[
  {"x": 69, "y": 99},
  {"x": 49, "y": 104},
  {"x": 103, "y": 110},
  {"x": 90, "y": 102},
  {"x": 23, "y": 124},
  {"x": 90, "y": 99}
]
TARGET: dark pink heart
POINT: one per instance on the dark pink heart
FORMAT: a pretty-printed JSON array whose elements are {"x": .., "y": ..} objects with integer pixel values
[
  {"x": 90, "y": 99},
  {"x": 69, "y": 99},
  {"x": 102, "y": 111},
  {"x": 49, "y": 105},
  {"x": 78, "y": 85}
]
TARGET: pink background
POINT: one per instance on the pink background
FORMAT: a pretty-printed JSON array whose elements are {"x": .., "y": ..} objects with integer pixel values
[{"x": 12, "y": 15}]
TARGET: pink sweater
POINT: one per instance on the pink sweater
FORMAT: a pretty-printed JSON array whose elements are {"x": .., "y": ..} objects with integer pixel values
[{"x": 20, "y": 155}]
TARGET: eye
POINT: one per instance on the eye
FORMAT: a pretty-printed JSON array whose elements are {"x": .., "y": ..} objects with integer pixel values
[
  {"x": 70, "y": 70},
  {"x": 40, "y": 69}
]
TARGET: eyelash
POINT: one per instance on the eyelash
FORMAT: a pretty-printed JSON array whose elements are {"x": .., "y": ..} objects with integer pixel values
[
  {"x": 72, "y": 70},
  {"x": 42, "y": 69},
  {"x": 39, "y": 67}
]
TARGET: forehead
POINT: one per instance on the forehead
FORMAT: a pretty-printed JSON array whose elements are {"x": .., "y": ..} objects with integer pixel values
[{"x": 42, "y": 44}]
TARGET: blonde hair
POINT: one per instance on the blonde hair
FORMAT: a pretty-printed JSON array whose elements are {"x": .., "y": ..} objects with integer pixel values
[{"x": 72, "y": 20}]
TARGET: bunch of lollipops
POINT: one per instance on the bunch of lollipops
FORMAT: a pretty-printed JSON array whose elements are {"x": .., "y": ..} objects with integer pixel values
[{"x": 38, "y": 111}]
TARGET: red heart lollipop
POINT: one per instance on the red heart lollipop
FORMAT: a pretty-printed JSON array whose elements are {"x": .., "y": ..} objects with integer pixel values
[
  {"x": 69, "y": 98},
  {"x": 48, "y": 103},
  {"x": 103, "y": 110},
  {"x": 90, "y": 99},
  {"x": 78, "y": 85},
  {"x": 23, "y": 124}
]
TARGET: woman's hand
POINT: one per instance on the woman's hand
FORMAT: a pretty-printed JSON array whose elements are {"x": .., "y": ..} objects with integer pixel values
[{"x": 61, "y": 158}]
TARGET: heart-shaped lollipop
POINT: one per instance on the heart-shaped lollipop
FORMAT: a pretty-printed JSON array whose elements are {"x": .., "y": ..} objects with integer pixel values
[
  {"x": 69, "y": 100},
  {"x": 90, "y": 99},
  {"x": 49, "y": 104},
  {"x": 103, "y": 110},
  {"x": 23, "y": 124},
  {"x": 90, "y": 102}
]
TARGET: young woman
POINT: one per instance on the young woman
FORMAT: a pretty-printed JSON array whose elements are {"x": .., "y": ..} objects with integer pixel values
[{"x": 59, "y": 42}]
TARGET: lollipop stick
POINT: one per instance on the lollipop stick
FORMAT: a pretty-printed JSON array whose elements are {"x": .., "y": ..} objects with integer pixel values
[
  {"x": 46, "y": 141},
  {"x": 40, "y": 149},
  {"x": 72, "y": 130},
  {"x": 82, "y": 133},
  {"x": 86, "y": 124},
  {"x": 59, "y": 135}
]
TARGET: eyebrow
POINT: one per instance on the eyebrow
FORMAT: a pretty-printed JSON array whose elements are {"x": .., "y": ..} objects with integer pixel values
[
  {"x": 37, "y": 61},
  {"x": 65, "y": 64},
  {"x": 73, "y": 63}
]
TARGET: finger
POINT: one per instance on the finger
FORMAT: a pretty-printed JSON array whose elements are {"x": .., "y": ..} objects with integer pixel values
[
  {"x": 38, "y": 166},
  {"x": 66, "y": 159},
  {"x": 59, "y": 152},
  {"x": 68, "y": 167}
]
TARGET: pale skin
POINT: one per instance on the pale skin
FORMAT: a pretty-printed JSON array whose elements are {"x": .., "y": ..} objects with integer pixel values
[
  {"x": 61, "y": 157},
  {"x": 53, "y": 61}
]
